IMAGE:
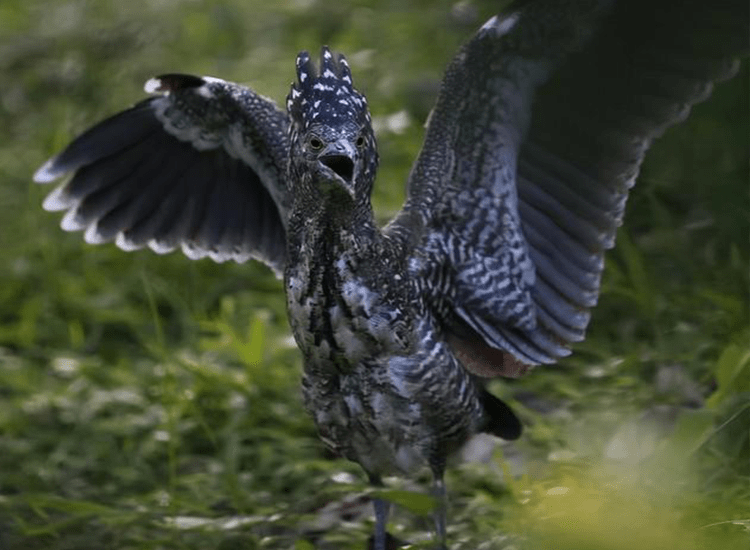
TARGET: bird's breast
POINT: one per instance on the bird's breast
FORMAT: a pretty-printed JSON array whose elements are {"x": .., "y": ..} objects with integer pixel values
[{"x": 341, "y": 317}]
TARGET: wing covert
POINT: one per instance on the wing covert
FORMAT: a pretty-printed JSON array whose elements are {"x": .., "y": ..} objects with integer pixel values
[{"x": 200, "y": 168}]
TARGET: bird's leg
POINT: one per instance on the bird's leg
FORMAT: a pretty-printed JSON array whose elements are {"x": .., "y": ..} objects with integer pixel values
[
  {"x": 381, "y": 518},
  {"x": 439, "y": 514},
  {"x": 382, "y": 507}
]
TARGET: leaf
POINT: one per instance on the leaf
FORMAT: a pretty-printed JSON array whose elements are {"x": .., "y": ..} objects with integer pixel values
[
  {"x": 732, "y": 372},
  {"x": 417, "y": 503}
]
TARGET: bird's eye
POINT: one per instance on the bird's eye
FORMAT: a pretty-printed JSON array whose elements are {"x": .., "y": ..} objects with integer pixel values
[
  {"x": 360, "y": 141},
  {"x": 315, "y": 144}
]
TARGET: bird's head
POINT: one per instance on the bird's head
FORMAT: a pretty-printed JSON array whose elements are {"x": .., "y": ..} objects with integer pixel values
[{"x": 331, "y": 137}]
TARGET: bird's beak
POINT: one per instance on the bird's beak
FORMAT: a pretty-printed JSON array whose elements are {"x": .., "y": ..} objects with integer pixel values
[{"x": 340, "y": 156}]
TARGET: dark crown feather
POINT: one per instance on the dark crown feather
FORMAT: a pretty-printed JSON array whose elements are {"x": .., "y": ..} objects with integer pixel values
[{"x": 325, "y": 96}]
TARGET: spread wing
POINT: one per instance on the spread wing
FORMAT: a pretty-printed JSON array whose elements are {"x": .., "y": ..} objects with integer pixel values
[
  {"x": 537, "y": 136},
  {"x": 199, "y": 167}
]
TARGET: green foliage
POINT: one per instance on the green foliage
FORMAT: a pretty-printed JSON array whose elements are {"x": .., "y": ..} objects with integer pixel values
[
  {"x": 416, "y": 503},
  {"x": 153, "y": 403},
  {"x": 732, "y": 373}
]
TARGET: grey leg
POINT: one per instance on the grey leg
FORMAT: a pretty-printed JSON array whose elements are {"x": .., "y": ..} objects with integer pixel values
[
  {"x": 379, "y": 539},
  {"x": 439, "y": 515},
  {"x": 382, "y": 508}
]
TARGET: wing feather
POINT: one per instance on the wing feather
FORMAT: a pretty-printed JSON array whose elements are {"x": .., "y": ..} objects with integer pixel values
[
  {"x": 537, "y": 137},
  {"x": 200, "y": 167}
]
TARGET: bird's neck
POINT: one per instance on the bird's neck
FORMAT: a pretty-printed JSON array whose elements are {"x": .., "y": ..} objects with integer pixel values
[{"x": 326, "y": 227}]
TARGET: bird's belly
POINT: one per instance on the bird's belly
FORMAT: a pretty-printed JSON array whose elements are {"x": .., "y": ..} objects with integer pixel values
[
  {"x": 394, "y": 415},
  {"x": 370, "y": 430},
  {"x": 384, "y": 432}
]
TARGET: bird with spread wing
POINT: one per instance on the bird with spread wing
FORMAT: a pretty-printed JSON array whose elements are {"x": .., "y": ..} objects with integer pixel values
[{"x": 495, "y": 259}]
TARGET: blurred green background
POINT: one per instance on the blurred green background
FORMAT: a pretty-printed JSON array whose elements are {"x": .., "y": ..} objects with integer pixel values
[{"x": 150, "y": 402}]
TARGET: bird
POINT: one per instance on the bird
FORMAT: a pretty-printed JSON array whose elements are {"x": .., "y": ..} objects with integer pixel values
[{"x": 493, "y": 263}]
